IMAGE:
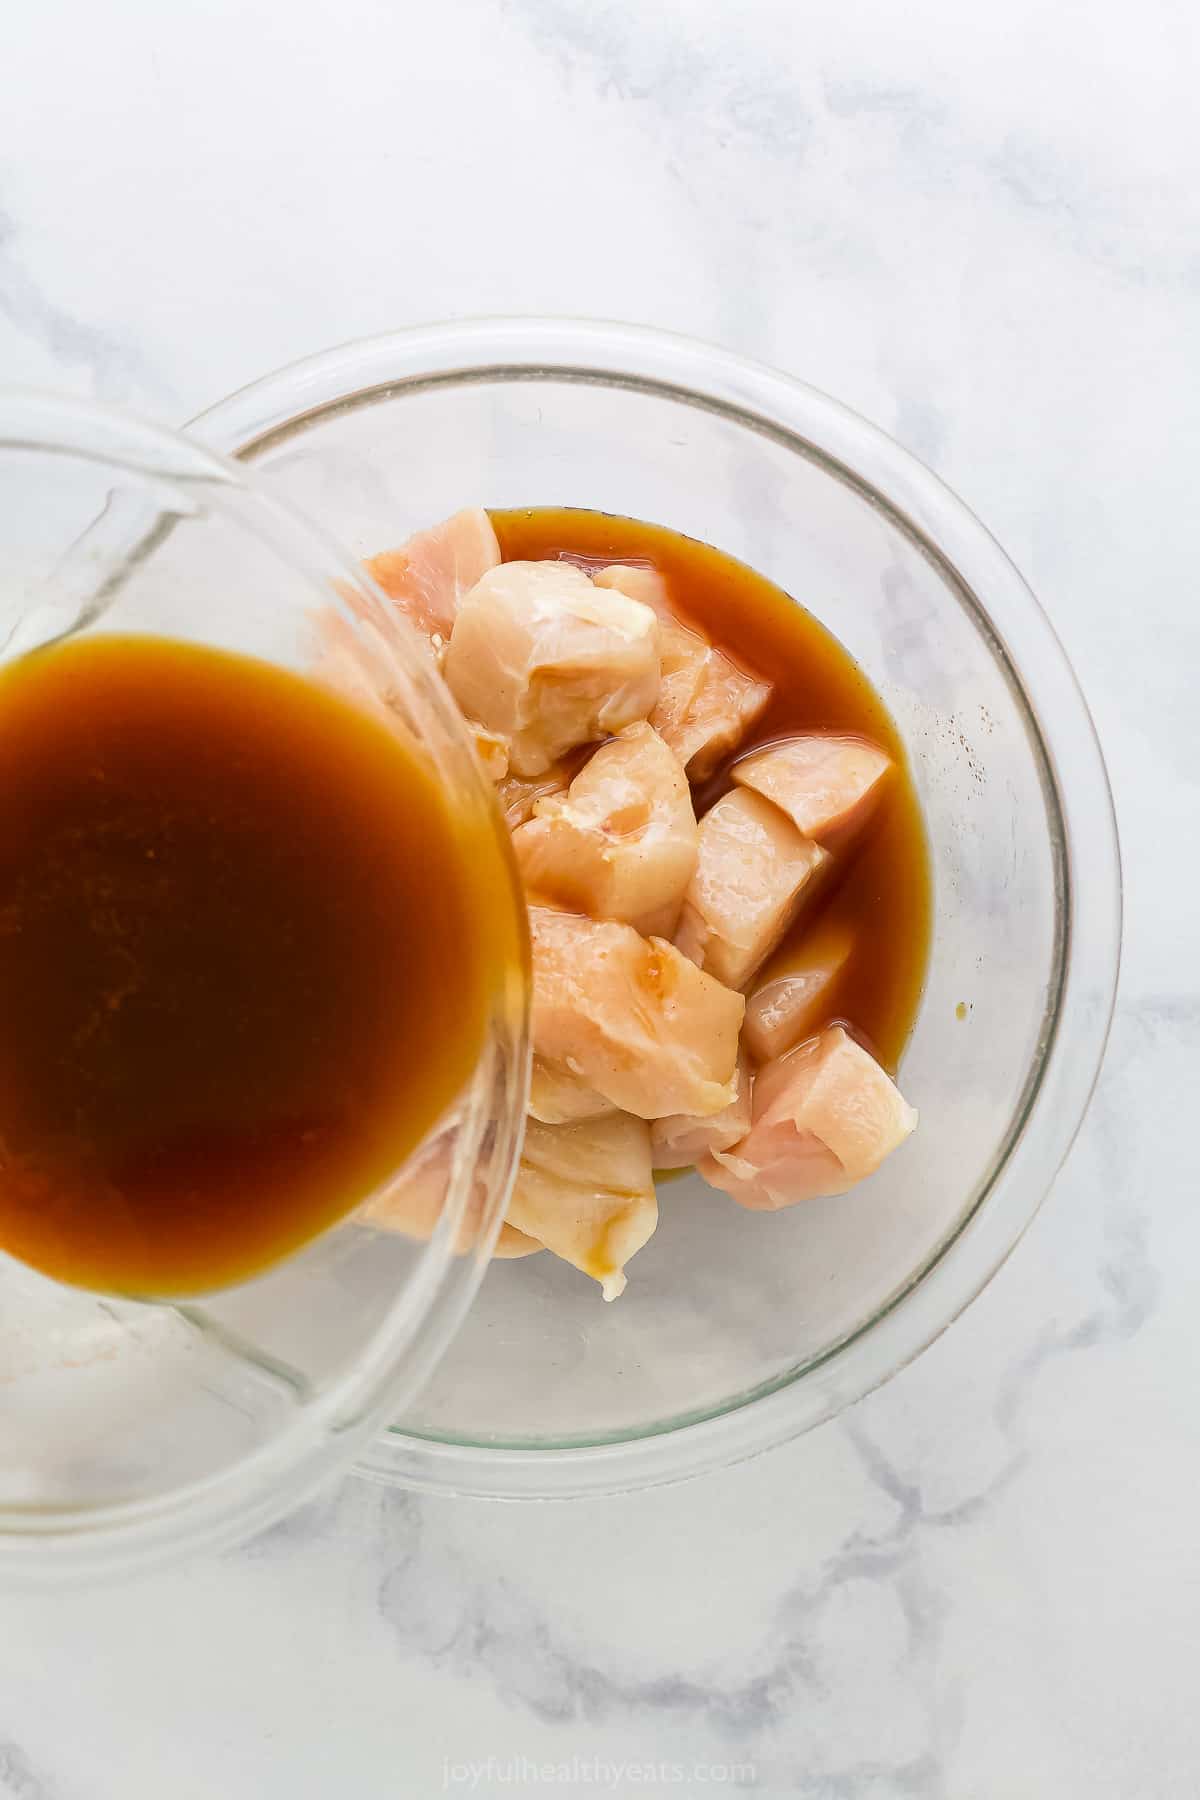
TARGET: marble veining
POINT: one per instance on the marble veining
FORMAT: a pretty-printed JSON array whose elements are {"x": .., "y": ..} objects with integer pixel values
[
  {"x": 18, "y": 1778},
  {"x": 116, "y": 370}
]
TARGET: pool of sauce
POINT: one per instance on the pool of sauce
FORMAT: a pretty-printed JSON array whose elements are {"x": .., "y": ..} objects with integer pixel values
[{"x": 880, "y": 886}]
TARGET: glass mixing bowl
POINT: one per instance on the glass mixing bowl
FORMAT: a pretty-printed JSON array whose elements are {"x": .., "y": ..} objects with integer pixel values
[
  {"x": 131, "y": 1431},
  {"x": 737, "y": 1330}
]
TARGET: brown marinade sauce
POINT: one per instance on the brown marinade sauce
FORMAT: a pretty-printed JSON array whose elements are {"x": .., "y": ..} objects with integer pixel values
[{"x": 881, "y": 887}]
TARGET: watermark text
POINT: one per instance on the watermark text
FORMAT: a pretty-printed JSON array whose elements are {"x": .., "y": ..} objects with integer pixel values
[{"x": 597, "y": 1772}]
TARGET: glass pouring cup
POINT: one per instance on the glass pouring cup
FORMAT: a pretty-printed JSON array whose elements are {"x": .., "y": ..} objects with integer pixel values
[{"x": 133, "y": 1430}]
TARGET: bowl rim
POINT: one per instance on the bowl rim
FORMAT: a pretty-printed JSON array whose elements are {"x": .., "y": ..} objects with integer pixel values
[{"x": 1068, "y": 1058}]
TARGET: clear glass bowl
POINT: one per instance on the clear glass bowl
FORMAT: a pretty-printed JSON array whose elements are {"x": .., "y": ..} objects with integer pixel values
[
  {"x": 738, "y": 1331},
  {"x": 132, "y": 1431}
]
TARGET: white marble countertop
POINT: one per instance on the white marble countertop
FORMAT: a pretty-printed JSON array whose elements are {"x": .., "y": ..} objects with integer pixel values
[{"x": 981, "y": 228}]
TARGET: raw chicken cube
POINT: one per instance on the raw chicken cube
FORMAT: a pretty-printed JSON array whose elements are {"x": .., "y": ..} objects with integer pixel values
[
  {"x": 518, "y": 794},
  {"x": 428, "y": 575},
  {"x": 622, "y": 844},
  {"x": 825, "y": 1116},
  {"x": 681, "y": 1139},
  {"x": 413, "y": 1201},
  {"x": 559, "y": 1097},
  {"x": 646, "y": 585},
  {"x": 353, "y": 659},
  {"x": 549, "y": 661},
  {"x": 512, "y": 1244},
  {"x": 632, "y": 1017},
  {"x": 706, "y": 703},
  {"x": 491, "y": 749},
  {"x": 751, "y": 877},
  {"x": 586, "y": 1191},
  {"x": 825, "y": 784},
  {"x": 726, "y": 704},
  {"x": 793, "y": 997},
  {"x": 684, "y": 658}
]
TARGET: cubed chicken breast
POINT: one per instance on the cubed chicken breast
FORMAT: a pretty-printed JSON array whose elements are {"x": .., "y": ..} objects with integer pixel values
[
  {"x": 826, "y": 785},
  {"x": 547, "y": 660},
  {"x": 751, "y": 877},
  {"x": 646, "y": 585},
  {"x": 559, "y": 1097},
  {"x": 825, "y": 1116},
  {"x": 512, "y": 1244},
  {"x": 491, "y": 749},
  {"x": 706, "y": 704},
  {"x": 794, "y": 992},
  {"x": 632, "y": 1017},
  {"x": 684, "y": 658},
  {"x": 353, "y": 659},
  {"x": 518, "y": 794},
  {"x": 428, "y": 575},
  {"x": 586, "y": 1192},
  {"x": 726, "y": 703},
  {"x": 682, "y": 1139},
  {"x": 622, "y": 843},
  {"x": 413, "y": 1202}
]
